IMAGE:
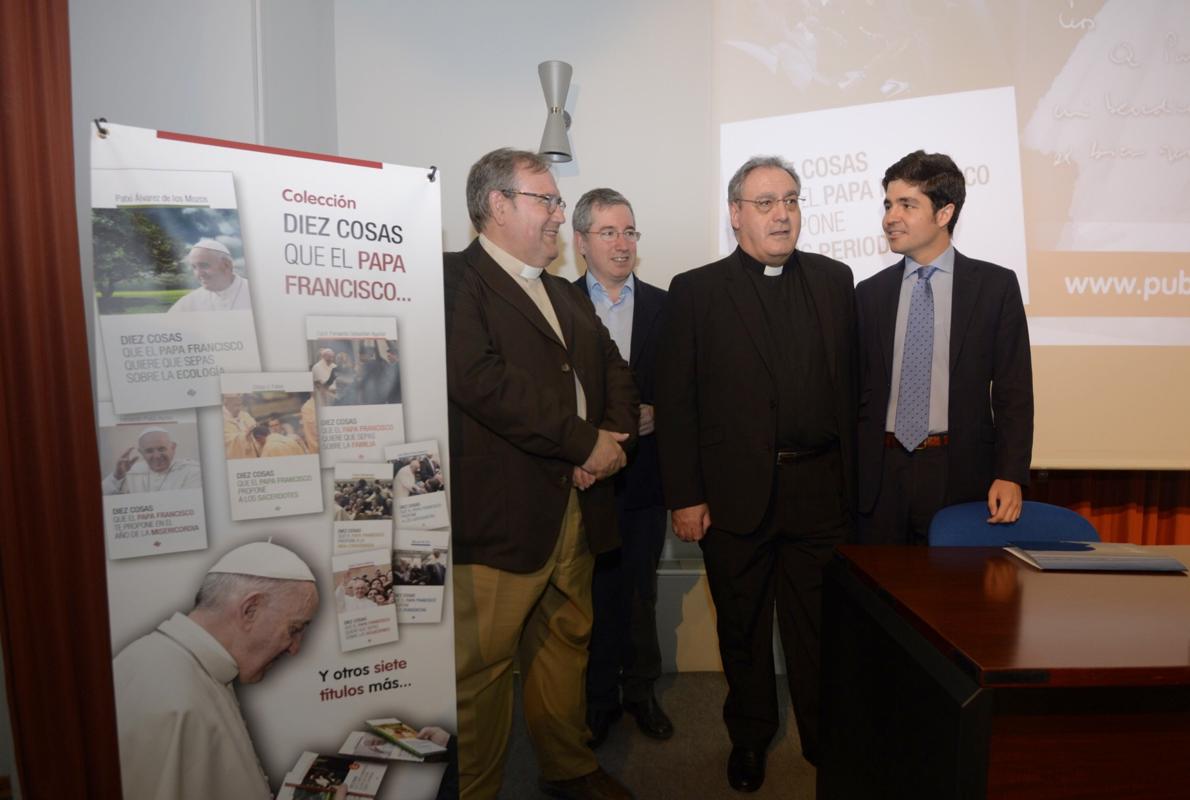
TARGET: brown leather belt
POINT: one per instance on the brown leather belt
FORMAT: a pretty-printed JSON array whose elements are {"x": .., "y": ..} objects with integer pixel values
[
  {"x": 931, "y": 441},
  {"x": 793, "y": 456}
]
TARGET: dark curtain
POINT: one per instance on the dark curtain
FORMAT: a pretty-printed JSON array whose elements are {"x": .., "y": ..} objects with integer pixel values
[
  {"x": 53, "y": 598},
  {"x": 1144, "y": 507}
]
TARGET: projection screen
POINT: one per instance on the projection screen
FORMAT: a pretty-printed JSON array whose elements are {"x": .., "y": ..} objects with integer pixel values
[{"x": 1071, "y": 122}]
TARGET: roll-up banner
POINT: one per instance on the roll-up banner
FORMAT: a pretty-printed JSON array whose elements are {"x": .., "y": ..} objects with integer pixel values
[{"x": 271, "y": 388}]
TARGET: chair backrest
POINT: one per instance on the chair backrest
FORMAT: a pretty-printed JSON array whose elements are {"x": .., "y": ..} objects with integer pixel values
[{"x": 965, "y": 525}]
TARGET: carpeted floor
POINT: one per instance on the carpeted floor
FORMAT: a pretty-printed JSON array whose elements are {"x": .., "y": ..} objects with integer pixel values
[{"x": 692, "y": 765}]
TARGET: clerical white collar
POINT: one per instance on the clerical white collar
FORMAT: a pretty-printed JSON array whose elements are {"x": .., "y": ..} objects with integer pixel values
[
  {"x": 774, "y": 272},
  {"x": 508, "y": 262}
]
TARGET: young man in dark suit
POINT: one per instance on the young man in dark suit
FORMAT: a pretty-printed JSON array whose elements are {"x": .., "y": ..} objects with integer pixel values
[
  {"x": 625, "y": 655},
  {"x": 541, "y": 409},
  {"x": 946, "y": 382},
  {"x": 756, "y": 429}
]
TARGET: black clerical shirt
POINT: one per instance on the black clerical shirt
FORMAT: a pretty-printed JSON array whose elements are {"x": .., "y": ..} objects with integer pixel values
[{"x": 805, "y": 419}]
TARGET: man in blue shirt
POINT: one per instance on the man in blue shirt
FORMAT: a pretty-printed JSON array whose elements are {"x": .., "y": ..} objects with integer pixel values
[
  {"x": 946, "y": 381},
  {"x": 625, "y": 658}
]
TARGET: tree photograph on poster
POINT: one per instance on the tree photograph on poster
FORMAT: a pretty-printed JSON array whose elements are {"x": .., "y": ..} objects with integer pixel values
[{"x": 143, "y": 262}]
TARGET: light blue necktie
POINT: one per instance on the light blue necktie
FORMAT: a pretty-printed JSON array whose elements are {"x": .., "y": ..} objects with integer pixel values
[{"x": 913, "y": 396}]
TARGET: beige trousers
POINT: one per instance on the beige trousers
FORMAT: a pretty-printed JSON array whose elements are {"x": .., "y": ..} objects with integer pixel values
[{"x": 542, "y": 618}]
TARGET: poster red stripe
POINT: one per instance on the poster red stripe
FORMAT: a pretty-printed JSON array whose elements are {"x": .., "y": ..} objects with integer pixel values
[{"x": 257, "y": 148}]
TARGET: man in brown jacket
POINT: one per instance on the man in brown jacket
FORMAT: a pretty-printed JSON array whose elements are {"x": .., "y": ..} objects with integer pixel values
[{"x": 542, "y": 408}]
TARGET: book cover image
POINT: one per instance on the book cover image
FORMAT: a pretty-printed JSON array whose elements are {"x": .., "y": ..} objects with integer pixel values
[
  {"x": 363, "y": 507},
  {"x": 355, "y": 365},
  {"x": 419, "y": 486},
  {"x": 404, "y": 736},
  {"x": 365, "y": 600},
  {"x": 172, "y": 289},
  {"x": 420, "y": 564},
  {"x": 297, "y": 260},
  {"x": 272, "y": 459},
  {"x": 369, "y": 745},
  {"x": 315, "y": 777},
  {"x": 152, "y": 483}
]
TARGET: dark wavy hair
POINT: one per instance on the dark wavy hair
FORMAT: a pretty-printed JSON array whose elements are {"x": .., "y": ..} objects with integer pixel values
[{"x": 936, "y": 175}]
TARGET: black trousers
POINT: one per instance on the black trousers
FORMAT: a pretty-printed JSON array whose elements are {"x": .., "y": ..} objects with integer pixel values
[
  {"x": 912, "y": 490},
  {"x": 777, "y": 567},
  {"x": 624, "y": 653}
]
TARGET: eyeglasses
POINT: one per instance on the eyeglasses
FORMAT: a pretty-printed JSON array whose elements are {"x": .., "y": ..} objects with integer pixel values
[
  {"x": 552, "y": 201},
  {"x": 766, "y": 204},
  {"x": 610, "y": 234}
]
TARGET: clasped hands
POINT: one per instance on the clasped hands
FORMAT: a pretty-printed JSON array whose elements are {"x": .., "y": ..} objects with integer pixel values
[{"x": 606, "y": 459}]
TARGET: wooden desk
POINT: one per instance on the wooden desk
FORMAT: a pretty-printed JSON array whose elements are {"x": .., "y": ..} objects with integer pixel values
[{"x": 964, "y": 673}]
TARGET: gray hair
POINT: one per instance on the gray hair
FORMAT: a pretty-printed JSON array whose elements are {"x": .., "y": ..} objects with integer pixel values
[
  {"x": 736, "y": 184},
  {"x": 596, "y": 198},
  {"x": 496, "y": 172},
  {"x": 218, "y": 588}
]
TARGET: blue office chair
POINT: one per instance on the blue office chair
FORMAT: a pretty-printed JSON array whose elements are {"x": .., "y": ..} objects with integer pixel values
[{"x": 965, "y": 525}]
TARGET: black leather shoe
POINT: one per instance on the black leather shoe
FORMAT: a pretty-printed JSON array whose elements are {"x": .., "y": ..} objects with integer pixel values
[
  {"x": 745, "y": 769},
  {"x": 597, "y": 785},
  {"x": 650, "y": 718},
  {"x": 600, "y": 721}
]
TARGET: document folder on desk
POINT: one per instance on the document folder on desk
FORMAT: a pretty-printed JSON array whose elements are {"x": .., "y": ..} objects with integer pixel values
[{"x": 1093, "y": 557}]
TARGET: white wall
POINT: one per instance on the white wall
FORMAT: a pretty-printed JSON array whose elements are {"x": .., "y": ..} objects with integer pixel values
[
  {"x": 187, "y": 67},
  {"x": 259, "y": 71},
  {"x": 444, "y": 83},
  {"x": 297, "y": 90}
]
